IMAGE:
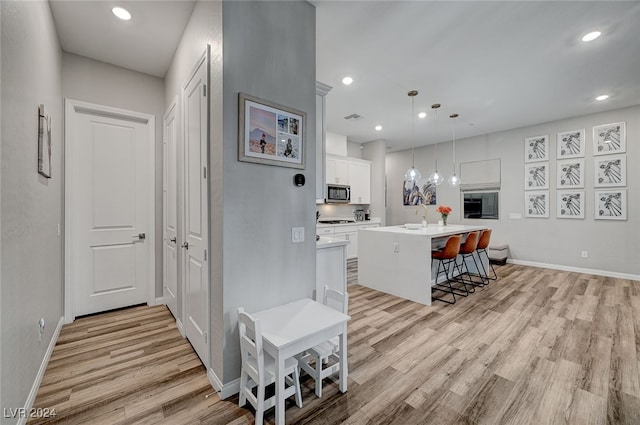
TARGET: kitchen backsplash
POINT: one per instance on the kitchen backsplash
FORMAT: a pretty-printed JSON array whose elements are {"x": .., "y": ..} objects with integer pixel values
[{"x": 336, "y": 210}]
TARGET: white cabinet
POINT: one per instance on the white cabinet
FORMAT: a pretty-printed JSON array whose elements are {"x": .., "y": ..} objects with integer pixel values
[
  {"x": 337, "y": 170},
  {"x": 360, "y": 181},
  {"x": 349, "y": 233},
  {"x": 321, "y": 92}
]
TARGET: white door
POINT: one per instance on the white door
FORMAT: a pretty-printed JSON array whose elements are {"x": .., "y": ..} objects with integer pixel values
[
  {"x": 109, "y": 193},
  {"x": 196, "y": 270},
  {"x": 170, "y": 205}
]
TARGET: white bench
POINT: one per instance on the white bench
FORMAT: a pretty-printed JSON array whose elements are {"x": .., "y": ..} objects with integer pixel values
[{"x": 498, "y": 253}]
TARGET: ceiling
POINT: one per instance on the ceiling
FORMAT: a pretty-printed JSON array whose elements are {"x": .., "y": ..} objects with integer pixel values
[{"x": 500, "y": 65}]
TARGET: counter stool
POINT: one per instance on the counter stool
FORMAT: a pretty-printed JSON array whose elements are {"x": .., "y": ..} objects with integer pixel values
[
  {"x": 483, "y": 244},
  {"x": 466, "y": 250},
  {"x": 446, "y": 261}
]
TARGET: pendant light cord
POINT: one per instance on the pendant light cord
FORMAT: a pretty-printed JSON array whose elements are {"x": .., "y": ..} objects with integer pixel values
[{"x": 413, "y": 132}]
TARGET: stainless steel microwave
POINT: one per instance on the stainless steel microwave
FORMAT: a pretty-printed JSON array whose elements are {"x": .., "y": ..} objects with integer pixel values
[{"x": 338, "y": 194}]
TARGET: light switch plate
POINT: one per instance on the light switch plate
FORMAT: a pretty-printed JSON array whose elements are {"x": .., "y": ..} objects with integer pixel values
[{"x": 297, "y": 234}]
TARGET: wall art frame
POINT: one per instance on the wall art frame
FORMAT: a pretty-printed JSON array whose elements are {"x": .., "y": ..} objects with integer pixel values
[
  {"x": 536, "y": 148},
  {"x": 44, "y": 142},
  {"x": 570, "y": 144},
  {"x": 570, "y": 174},
  {"x": 536, "y": 204},
  {"x": 610, "y": 171},
  {"x": 536, "y": 176},
  {"x": 610, "y": 138},
  {"x": 570, "y": 204},
  {"x": 610, "y": 204},
  {"x": 270, "y": 133}
]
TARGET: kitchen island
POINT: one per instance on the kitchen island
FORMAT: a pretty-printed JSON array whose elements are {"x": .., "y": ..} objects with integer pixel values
[{"x": 397, "y": 260}]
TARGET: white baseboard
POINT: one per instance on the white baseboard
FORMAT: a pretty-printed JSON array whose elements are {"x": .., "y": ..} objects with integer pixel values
[
  {"x": 225, "y": 390},
  {"x": 575, "y": 269},
  {"x": 160, "y": 300},
  {"x": 180, "y": 327},
  {"x": 43, "y": 367}
]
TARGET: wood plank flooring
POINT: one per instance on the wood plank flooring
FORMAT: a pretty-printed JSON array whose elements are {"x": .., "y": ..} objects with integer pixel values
[{"x": 535, "y": 347}]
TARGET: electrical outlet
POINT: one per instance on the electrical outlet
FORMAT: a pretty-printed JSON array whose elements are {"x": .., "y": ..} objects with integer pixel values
[
  {"x": 297, "y": 234},
  {"x": 396, "y": 247},
  {"x": 585, "y": 254}
]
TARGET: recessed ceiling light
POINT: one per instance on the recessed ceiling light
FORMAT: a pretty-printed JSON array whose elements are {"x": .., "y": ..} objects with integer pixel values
[
  {"x": 378, "y": 127},
  {"x": 121, "y": 13},
  {"x": 591, "y": 36},
  {"x": 347, "y": 81},
  {"x": 602, "y": 97},
  {"x": 422, "y": 115}
]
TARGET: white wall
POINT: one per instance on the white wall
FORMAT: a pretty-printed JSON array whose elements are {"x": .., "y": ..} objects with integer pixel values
[
  {"x": 98, "y": 82},
  {"x": 32, "y": 255},
  {"x": 612, "y": 245},
  {"x": 269, "y": 52}
]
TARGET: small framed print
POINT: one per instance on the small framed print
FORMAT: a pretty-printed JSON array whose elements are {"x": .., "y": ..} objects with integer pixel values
[
  {"x": 44, "y": 142},
  {"x": 610, "y": 171},
  {"x": 609, "y": 138},
  {"x": 611, "y": 204},
  {"x": 536, "y": 204},
  {"x": 536, "y": 148},
  {"x": 570, "y": 204},
  {"x": 536, "y": 176},
  {"x": 570, "y": 174},
  {"x": 570, "y": 144}
]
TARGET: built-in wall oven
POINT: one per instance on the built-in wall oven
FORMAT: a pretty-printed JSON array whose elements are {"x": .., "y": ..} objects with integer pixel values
[{"x": 338, "y": 194}]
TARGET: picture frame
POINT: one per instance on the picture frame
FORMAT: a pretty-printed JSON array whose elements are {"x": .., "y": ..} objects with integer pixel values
[
  {"x": 570, "y": 174},
  {"x": 570, "y": 144},
  {"x": 536, "y": 204},
  {"x": 570, "y": 204},
  {"x": 610, "y": 138},
  {"x": 536, "y": 176},
  {"x": 536, "y": 148},
  {"x": 610, "y": 171},
  {"x": 611, "y": 204},
  {"x": 270, "y": 133},
  {"x": 44, "y": 142}
]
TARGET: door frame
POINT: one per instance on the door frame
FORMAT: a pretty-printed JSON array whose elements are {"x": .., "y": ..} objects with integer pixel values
[{"x": 70, "y": 198}]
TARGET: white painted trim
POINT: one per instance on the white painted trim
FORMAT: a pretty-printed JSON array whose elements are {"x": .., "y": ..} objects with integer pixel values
[
  {"x": 180, "y": 327},
  {"x": 575, "y": 269},
  {"x": 160, "y": 300},
  {"x": 224, "y": 390},
  {"x": 72, "y": 105},
  {"x": 43, "y": 367}
]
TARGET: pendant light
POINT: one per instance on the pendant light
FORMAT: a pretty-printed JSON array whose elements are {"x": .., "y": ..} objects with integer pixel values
[
  {"x": 413, "y": 175},
  {"x": 435, "y": 178},
  {"x": 454, "y": 180}
]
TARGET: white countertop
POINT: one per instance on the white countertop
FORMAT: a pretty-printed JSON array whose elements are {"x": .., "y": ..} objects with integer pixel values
[
  {"x": 325, "y": 242},
  {"x": 432, "y": 230},
  {"x": 374, "y": 220}
]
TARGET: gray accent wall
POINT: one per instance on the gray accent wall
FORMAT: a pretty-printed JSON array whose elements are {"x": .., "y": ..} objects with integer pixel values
[
  {"x": 31, "y": 266},
  {"x": 611, "y": 245},
  {"x": 269, "y": 52},
  {"x": 92, "y": 81},
  {"x": 376, "y": 153}
]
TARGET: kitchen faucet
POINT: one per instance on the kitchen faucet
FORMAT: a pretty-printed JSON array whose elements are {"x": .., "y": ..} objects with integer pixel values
[{"x": 424, "y": 216}]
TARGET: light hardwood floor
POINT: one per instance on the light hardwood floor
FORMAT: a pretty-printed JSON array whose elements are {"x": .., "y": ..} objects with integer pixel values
[{"x": 536, "y": 347}]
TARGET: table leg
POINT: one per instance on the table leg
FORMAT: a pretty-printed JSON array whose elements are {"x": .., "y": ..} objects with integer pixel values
[
  {"x": 279, "y": 407},
  {"x": 343, "y": 360}
]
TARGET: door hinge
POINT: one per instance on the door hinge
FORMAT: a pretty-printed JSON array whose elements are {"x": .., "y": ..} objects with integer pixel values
[
  {"x": 204, "y": 89},
  {"x": 206, "y": 337},
  {"x": 205, "y": 255},
  {"x": 204, "y": 172}
]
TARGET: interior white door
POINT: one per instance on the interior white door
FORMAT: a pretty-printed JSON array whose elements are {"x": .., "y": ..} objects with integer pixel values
[
  {"x": 196, "y": 215},
  {"x": 109, "y": 192},
  {"x": 170, "y": 205}
]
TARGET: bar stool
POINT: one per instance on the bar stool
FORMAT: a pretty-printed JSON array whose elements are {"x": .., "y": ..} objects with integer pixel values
[
  {"x": 483, "y": 244},
  {"x": 466, "y": 250},
  {"x": 446, "y": 260}
]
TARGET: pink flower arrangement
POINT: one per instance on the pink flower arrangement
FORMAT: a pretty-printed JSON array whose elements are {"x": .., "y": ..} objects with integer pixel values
[{"x": 444, "y": 211}]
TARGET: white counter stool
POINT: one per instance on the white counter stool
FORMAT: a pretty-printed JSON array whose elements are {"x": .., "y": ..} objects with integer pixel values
[
  {"x": 258, "y": 369},
  {"x": 446, "y": 259},
  {"x": 321, "y": 353}
]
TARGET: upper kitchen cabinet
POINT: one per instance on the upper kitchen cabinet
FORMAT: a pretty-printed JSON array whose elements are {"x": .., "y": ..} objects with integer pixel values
[
  {"x": 353, "y": 172},
  {"x": 337, "y": 170},
  {"x": 321, "y": 92}
]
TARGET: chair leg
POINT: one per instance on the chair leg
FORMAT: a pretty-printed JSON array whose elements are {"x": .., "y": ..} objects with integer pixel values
[
  {"x": 493, "y": 270},
  {"x": 438, "y": 286},
  {"x": 243, "y": 384},
  {"x": 260, "y": 408},
  {"x": 318, "y": 377},
  {"x": 296, "y": 382}
]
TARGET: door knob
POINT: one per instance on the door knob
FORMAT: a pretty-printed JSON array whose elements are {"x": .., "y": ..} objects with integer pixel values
[
  {"x": 185, "y": 245},
  {"x": 140, "y": 236},
  {"x": 173, "y": 239}
]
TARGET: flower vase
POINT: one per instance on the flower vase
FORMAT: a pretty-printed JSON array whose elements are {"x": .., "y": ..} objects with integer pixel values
[{"x": 444, "y": 220}]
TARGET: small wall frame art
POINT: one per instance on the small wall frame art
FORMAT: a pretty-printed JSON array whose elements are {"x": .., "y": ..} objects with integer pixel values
[
  {"x": 44, "y": 143},
  {"x": 269, "y": 133},
  {"x": 609, "y": 138},
  {"x": 536, "y": 176},
  {"x": 570, "y": 204},
  {"x": 571, "y": 144},
  {"x": 611, "y": 204},
  {"x": 536, "y": 148},
  {"x": 536, "y": 204},
  {"x": 610, "y": 171},
  {"x": 570, "y": 174}
]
